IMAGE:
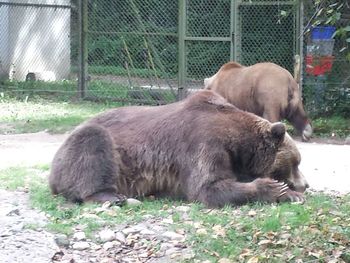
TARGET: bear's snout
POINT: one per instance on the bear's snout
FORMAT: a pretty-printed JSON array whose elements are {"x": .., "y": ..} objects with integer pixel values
[{"x": 299, "y": 184}]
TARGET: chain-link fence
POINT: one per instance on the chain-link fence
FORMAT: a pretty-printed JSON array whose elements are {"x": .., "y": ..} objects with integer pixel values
[
  {"x": 132, "y": 50},
  {"x": 326, "y": 75},
  {"x": 142, "y": 51},
  {"x": 151, "y": 51}
]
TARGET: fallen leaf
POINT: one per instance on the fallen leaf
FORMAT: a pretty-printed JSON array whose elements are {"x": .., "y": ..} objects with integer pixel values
[
  {"x": 201, "y": 231},
  {"x": 224, "y": 260},
  {"x": 219, "y": 230},
  {"x": 255, "y": 236},
  {"x": 317, "y": 254},
  {"x": 252, "y": 213},
  {"x": 245, "y": 252},
  {"x": 264, "y": 242},
  {"x": 197, "y": 224},
  {"x": 253, "y": 260},
  {"x": 270, "y": 235}
]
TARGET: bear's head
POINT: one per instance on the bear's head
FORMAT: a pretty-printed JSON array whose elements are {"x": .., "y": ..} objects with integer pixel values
[
  {"x": 259, "y": 143},
  {"x": 286, "y": 166}
]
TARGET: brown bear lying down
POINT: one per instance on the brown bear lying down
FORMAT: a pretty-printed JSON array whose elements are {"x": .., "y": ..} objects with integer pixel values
[{"x": 199, "y": 149}]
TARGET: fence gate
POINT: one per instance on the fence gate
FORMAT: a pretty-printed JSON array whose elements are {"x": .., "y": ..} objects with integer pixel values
[
  {"x": 267, "y": 31},
  {"x": 205, "y": 39},
  {"x": 246, "y": 31}
]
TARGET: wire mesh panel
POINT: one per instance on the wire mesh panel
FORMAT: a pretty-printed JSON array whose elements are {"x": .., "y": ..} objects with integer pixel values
[
  {"x": 208, "y": 38},
  {"x": 132, "y": 50},
  {"x": 266, "y": 32}
]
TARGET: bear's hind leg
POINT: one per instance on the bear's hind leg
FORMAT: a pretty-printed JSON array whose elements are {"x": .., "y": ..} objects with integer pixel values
[{"x": 85, "y": 168}]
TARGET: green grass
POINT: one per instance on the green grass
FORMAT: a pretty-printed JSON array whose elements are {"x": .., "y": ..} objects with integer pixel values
[
  {"x": 336, "y": 125},
  {"x": 34, "y": 115},
  {"x": 332, "y": 126},
  {"x": 312, "y": 232}
]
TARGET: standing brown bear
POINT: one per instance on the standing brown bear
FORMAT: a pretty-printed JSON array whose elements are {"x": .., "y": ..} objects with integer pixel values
[
  {"x": 199, "y": 149},
  {"x": 265, "y": 89}
]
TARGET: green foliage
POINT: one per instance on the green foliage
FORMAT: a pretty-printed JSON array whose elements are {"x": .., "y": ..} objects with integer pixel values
[
  {"x": 330, "y": 12},
  {"x": 334, "y": 125}
]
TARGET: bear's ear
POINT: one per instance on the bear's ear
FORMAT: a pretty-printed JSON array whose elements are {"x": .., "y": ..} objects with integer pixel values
[{"x": 278, "y": 130}]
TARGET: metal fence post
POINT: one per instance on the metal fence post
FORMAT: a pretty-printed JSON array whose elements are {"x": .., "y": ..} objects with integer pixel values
[
  {"x": 82, "y": 53},
  {"x": 300, "y": 41},
  {"x": 182, "y": 50}
]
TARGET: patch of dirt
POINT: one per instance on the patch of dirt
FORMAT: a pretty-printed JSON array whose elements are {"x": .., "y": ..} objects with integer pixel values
[{"x": 28, "y": 149}]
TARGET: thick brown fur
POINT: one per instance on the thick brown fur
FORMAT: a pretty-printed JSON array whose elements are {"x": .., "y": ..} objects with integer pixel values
[
  {"x": 264, "y": 89},
  {"x": 286, "y": 168},
  {"x": 199, "y": 149}
]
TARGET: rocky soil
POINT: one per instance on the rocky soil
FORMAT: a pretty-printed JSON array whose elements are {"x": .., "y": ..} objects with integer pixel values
[
  {"x": 23, "y": 238},
  {"x": 18, "y": 241}
]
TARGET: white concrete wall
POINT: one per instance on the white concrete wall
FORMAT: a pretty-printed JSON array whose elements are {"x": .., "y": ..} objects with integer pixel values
[
  {"x": 4, "y": 58},
  {"x": 38, "y": 39}
]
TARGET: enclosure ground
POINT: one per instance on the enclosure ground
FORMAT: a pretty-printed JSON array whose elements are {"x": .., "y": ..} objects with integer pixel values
[{"x": 325, "y": 166}]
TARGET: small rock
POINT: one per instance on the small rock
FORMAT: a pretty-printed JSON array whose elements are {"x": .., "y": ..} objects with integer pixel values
[
  {"x": 62, "y": 240},
  {"x": 91, "y": 216},
  {"x": 95, "y": 246},
  {"x": 133, "y": 229},
  {"x": 133, "y": 202},
  {"x": 171, "y": 251},
  {"x": 147, "y": 216},
  {"x": 79, "y": 236},
  {"x": 165, "y": 246},
  {"x": 82, "y": 245},
  {"x": 252, "y": 213},
  {"x": 224, "y": 260},
  {"x": 147, "y": 232},
  {"x": 183, "y": 208},
  {"x": 14, "y": 212},
  {"x": 188, "y": 255},
  {"x": 106, "y": 205},
  {"x": 108, "y": 245},
  {"x": 201, "y": 231},
  {"x": 120, "y": 237},
  {"x": 285, "y": 236},
  {"x": 172, "y": 235},
  {"x": 107, "y": 235},
  {"x": 18, "y": 227},
  {"x": 143, "y": 255},
  {"x": 107, "y": 260},
  {"x": 168, "y": 221}
]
